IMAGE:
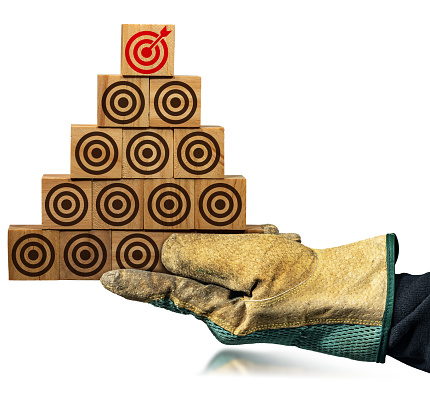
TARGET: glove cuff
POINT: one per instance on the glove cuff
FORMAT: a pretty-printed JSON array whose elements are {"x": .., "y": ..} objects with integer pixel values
[{"x": 392, "y": 245}]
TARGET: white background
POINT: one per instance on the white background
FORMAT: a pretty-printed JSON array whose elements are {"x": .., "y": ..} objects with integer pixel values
[{"x": 325, "y": 106}]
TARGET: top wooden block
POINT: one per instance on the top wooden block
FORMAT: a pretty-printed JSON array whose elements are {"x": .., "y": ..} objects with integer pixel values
[{"x": 147, "y": 50}]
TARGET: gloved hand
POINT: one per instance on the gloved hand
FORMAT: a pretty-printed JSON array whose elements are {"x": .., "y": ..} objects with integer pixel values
[{"x": 269, "y": 288}]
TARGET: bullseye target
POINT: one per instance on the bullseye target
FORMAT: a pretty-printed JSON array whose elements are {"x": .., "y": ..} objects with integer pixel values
[
  {"x": 66, "y": 204},
  {"x": 147, "y": 153},
  {"x": 137, "y": 251},
  {"x": 169, "y": 204},
  {"x": 123, "y": 102},
  {"x": 176, "y": 103},
  {"x": 96, "y": 153},
  {"x": 85, "y": 255},
  {"x": 33, "y": 255},
  {"x": 198, "y": 153},
  {"x": 117, "y": 204},
  {"x": 220, "y": 204},
  {"x": 146, "y": 52}
]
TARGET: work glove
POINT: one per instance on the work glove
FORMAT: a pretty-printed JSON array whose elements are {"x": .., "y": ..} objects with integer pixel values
[{"x": 269, "y": 288}]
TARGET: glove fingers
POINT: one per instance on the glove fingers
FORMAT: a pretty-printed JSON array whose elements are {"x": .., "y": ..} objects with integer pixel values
[
  {"x": 211, "y": 301},
  {"x": 292, "y": 237},
  {"x": 272, "y": 229},
  {"x": 234, "y": 261},
  {"x": 269, "y": 229}
]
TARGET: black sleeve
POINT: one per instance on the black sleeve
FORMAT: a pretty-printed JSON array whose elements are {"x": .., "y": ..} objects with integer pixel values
[{"x": 409, "y": 340}]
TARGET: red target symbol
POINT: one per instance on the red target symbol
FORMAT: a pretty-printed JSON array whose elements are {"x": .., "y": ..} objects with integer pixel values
[{"x": 146, "y": 52}]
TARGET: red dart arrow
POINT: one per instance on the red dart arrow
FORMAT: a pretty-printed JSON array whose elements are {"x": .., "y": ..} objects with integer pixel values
[{"x": 164, "y": 33}]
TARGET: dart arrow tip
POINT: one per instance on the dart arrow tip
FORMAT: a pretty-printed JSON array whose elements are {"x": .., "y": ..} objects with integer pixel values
[{"x": 164, "y": 32}]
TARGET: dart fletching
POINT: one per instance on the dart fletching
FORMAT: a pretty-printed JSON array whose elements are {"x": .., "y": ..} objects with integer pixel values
[{"x": 164, "y": 32}]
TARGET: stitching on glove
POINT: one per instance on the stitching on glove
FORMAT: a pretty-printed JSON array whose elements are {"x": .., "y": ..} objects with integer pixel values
[
  {"x": 256, "y": 303},
  {"x": 222, "y": 323},
  {"x": 311, "y": 322}
]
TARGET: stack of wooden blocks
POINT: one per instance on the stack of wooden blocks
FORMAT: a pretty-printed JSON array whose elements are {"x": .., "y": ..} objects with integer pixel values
[{"x": 146, "y": 170}]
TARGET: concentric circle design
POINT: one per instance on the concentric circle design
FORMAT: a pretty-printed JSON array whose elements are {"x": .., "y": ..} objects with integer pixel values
[
  {"x": 117, "y": 204},
  {"x": 96, "y": 153},
  {"x": 220, "y": 204},
  {"x": 169, "y": 204},
  {"x": 175, "y": 102},
  {"x": 66, "y": 204},
  {"x": 147, "y": 153},
  {"x": 137, "y": 251},
  {"x": 85, "y": 255},
  {"x": 33, "y": 255},
  {"x": 198, "y": 153},
  {"x": 123, "y": 102},
  {"x": 141, "y": 57}
]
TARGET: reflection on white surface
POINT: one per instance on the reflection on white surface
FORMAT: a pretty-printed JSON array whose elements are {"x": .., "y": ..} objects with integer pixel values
[{"x": 248, "y": 363}]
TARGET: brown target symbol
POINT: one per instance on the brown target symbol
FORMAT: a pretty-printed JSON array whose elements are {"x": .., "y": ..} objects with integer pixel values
[
  {"x": 96, "y": 153},
  {"x": 220, "y": 204},
  {"x": 147, "y": 153},
  {"x": 169, "y": 204},
  {"x": 175, "y": 102},
  {"x": 85, "y": 255},
  {"x": 66, "y": 204},
  {"x": 198, "y": 153},
  {"x": 123, "y": 102},
  {"x": 33, "y": 255},
  {"x": 136, "y": 251},
  {"x": 117, "y": 204}
]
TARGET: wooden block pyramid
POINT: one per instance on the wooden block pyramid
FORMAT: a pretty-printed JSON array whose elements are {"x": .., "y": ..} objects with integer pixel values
[{"x": 147, "y": 169}]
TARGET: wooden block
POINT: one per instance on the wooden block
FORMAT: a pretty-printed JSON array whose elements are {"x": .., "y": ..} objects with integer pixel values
[
  {"x": 254, "y": 229},
  {"x": 96, "y": 152},
  {"x": 221, "y": 204},
  {"x": 33, "y": 253},
  {"x": 147, "y": 50},
  {"x": 122, "y": 102},
  {"x": 85, "y": 255},
  {"x": 249, "y": 229},
  {"x": 199, "y": 153},
  {"x": 118, "y": 204},
  {"x": 169, "y": 204},
  {"x": 148, "y": 153},
  {"x": 175, "y": 101},
  {"x": 138, "y": 250},
  {"x": 66, "y": 204}
]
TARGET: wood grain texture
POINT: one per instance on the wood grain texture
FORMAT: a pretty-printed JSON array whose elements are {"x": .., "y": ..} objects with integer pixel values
[
  {"x": 146, "y": 51},
  {"x": 249, "y": 229},
  {"x": 137, "y": 250},
  {"x": 85, "y": 255},
  {"x": 169, "y": 204},
  {"x": 221, "y": 204},
  {"x": 122, "y": 102},
  {"x": 66, "y": 204},
  {"x": 148, "y": 153},
  {"x": 33, "y": 253},
  {"x": 199, "y": 153},
  {"x": 95, "y": 152},
  {"x": 175, "y": 102},
  {"x": 118, "y": 204}
]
